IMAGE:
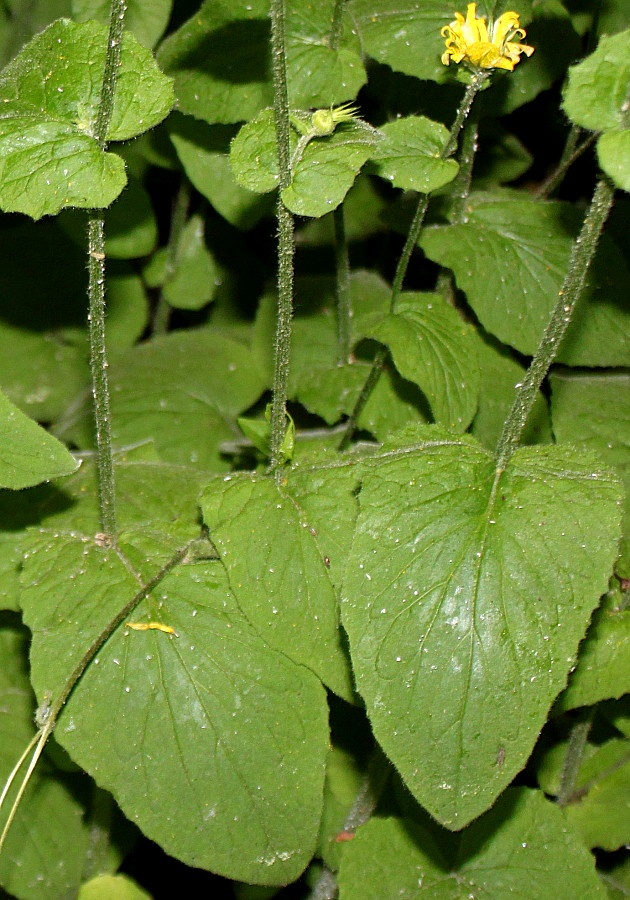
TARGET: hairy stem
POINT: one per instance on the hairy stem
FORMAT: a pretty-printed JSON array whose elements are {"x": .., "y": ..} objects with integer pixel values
[
  {"x": 403, "y": 263},
  {"x": 282, "y": 342},
  {"x": 334, "y": 37},
  {"x": 344, "y": 302},
  {"x": 581, "y": 257},
  {"x": 96, "y": 288}
]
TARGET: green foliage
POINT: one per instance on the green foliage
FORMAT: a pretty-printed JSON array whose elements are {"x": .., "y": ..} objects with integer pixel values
[{"x": 330, "y": 646}]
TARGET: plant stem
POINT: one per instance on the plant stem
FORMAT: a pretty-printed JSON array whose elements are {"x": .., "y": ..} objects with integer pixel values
[
  {"x": 370, "y": 792},
  {"x": 403, "y": 263},
  {"x": 96, "y": 288},
  {"x": 178, "y": 221},
  {"x": 582, "y": 254},
  {"x": 110, "y": 75},
  {"x": 344, "y": 301},
  {"x": 334, "y": 37},
  {"x": 570, "y": 154},
  {"x": 573, "y": 759},
  {"x": 282, "y": 342}
]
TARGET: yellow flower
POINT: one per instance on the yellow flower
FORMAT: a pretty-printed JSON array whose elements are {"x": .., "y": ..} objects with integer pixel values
[{"x": 469, "y": 39}]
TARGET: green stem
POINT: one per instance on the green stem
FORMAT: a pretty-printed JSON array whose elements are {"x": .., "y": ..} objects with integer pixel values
[
  {"x": 178, "y": 221},
  {"x": 573, "y": 758},
  {"x": 96, "y": 287},
  {"x": 334, "y": 38},
  {"x": 110, "y": 75},
  {"x": 581, "y": 257},
  {"x": 98, "y": 367},
  {"x": 570, "y": 154},
  {"x": 282, "y": 342},
  {"x": 344, "y": 301},
  {"x": 410, "y": 243}
]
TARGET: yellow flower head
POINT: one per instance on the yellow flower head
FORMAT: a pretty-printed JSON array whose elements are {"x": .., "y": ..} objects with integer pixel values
[{"x": 470, "y": 39}]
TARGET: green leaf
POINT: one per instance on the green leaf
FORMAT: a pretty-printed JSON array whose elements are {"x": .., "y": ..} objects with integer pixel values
[
  {"x": 613, "y": 153},
  {"x": 146, "y": 21},
  {"x": 203, "y": 151},
  {"x": 195, "y": 278},
  {"x": 213, "y": 743},
  {"x": 328, "y": 168},
  {"x": 409, "y": 155},
  {"x": 596, "y": 92},
  {"x": 432, "y": 346},
  {"x": 466, "y": 594},
  {"x": 221, "y": 61},
  {"x": 510, "y": 258},
  {"x": 592, "y": 411},
  {"x": 277, "y": 573},
  {"x": 521, "y": 848},
  {"x": 49, "y": 827},
  {"x": 319, "y": 76},
  {"x": 51, "y": 90},
  {"x": 112, "y": 887},
  {"x": 600, "y": 809},
  {"x": 29, "y": 454}
]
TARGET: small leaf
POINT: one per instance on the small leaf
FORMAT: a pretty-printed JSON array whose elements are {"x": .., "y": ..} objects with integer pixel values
[
  {"x": 112, "y": 887},
  {"x": 328, "y": 168},
  {"x": 28, "y": 454},
  {"x": 613, "y": 153},
  {"x": 524, "y": 833},
  {"x": 466, "y": 595},
  {"x": 277, "y": 573},
  {"x": 596, "y": 92},
  {"x": 195, "y": 278},
  {"x": 432, "y": 346},
  {"x": 599, "y": 809},
  {"x": 51, "y": 90},
  {"x": 409, "y": 157},
  {"x": 254, "y": 155}
]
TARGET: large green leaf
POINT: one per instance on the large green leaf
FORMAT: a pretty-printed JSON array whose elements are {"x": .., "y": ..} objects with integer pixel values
[
  {"x": 466, "y": 595},
  {"x": 613, "y": 153},
  {"x": 48, "y": 843},
  {"x": 183, "y": 391},
  {"x": 212, "y": 742},
  {"x": 277, "y": 573},
  {"x": 51, "y": 90},
  {"x": 432, "y": 346},
  {"x": 522, "y": 848},
  {"x": 510, "y": 257},
  {"x": 28, "y": 453}
]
